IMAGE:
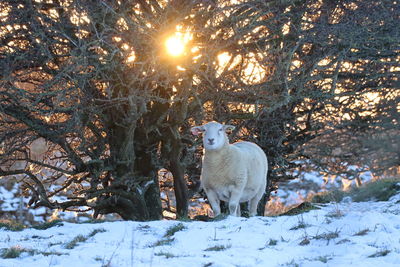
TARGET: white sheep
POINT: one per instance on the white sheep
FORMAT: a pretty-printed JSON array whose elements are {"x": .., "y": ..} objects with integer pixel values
[{"x": 233, "y": 173}]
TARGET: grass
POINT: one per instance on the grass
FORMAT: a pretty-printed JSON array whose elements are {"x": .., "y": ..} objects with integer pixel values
[
  {"x": 92, "y": 221},
  {"x": 292, "y": 263},
  {"x": 11, "y": 253},
  {"x": 81, "y": 238},
  {"x": 143, "y": 227},
  {"x": 302, "y": 208},
  {"x": 55, "y": 243},
  {"x": 163, "y": 242},
  {"x": 167, "y": 238},
  {"x": 272, "y": 242},
  {"x": 55, "y": 253},
  {"x": 323, "y": 259},
  {"x": 328, "y": 236},
  {"x": 305, "y": 241},
  {"x": 173, "y": 229},
  {"x": 218, "y": 248},
  {"x": 167, "y": 255},
  {"x": 380, "y": 253},
  {"x": 343, "y": 241},
  {"x": 48, "y": 225},
  {"x": 16, "y": 251},
  {"x": 11, "y": 225},
  {"x": 336, "y": 213},
  {"x": 74, "y": 242},
  {"x": 96, "y": 231},
  {"x": 362, "y": 232},
  {"x": 301, "y": 224},
  {"x": 380, "y": 190}
]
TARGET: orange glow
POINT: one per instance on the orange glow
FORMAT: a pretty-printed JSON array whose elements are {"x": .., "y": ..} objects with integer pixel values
[{"x": 176, "y": 44}]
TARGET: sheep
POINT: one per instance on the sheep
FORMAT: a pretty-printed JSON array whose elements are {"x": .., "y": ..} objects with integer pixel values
[{"x": 233, "y": 173}]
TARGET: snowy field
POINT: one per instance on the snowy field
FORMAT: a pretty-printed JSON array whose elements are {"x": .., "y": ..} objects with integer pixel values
[{"x": 340, "y": 234}]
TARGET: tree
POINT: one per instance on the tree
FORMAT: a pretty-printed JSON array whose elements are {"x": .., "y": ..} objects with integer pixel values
[
  {"x": 69, "y": 78},
  {"x": 94, "y": 80}
]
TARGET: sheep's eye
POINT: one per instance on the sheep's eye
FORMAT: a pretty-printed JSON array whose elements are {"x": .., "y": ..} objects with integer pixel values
[{"x": 220, "y": 130}]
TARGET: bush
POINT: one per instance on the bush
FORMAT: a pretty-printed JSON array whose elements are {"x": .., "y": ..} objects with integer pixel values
[
  {"x": 11, "y": 225},
  {"x": 380, "y": 190}
]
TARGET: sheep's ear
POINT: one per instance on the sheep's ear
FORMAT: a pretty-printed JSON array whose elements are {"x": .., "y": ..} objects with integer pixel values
[
  {"x": 228, "y": 128},
  {"x": 196, "y": 130}
]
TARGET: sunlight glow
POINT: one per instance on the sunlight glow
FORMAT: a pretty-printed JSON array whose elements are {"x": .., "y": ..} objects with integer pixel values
[{"x": 176, "y": 44}]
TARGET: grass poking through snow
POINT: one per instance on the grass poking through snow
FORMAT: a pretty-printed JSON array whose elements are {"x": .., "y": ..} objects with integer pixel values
[
  {"x": 81, "y": 238},
  {"x": 167, "y": 238},
  {"x": 380, "y": 253},
  {"x": 167, "y": 255},
  {"x": 173, "y": 229},
  {"x": 48, "y": 225},
  {"x": 163, "y": 242},
  {"x": 74, "y": 242},
  {"x": 12, "y": 252},
  {"x": 218, "y": 248},
  {"x": 362, "y": 232}
]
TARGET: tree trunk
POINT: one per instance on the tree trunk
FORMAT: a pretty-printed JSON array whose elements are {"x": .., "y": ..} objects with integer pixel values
[
  {"x": 145, "y": 168},
  {"x": 180, "y": 188},
  {"x": 178, "y": 172}
]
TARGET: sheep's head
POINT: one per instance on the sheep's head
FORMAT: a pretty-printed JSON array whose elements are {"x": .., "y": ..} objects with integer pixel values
[{"x": 214, "y": 134}]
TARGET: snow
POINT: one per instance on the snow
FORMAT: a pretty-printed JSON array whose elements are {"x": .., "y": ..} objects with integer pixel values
[{"x": 338, "y": 234}]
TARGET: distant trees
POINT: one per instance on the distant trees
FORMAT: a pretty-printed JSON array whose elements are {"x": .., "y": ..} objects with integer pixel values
[{"x": 312, "y": 82}]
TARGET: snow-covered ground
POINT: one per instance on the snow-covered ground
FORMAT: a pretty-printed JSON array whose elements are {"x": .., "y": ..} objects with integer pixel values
[{"x": 338, "y": 234}]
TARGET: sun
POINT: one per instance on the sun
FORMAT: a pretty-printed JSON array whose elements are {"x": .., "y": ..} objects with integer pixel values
[{"x": 175, "y": 45}]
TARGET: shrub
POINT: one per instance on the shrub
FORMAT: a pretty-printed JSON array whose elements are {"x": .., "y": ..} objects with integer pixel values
[
  {"x": 11, "y": 225},
  {"x": 380, "y": 190}
]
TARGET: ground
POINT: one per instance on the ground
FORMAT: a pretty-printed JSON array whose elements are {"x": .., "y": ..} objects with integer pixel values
[{"x": 338, "y": 234}]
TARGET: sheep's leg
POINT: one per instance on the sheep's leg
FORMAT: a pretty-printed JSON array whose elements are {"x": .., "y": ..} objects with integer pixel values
[
  {"x": 238, "y": 210},
  {"x": 254, "y": 203},
  {"x": 214, "y": 202},
  {"x": 234, "y": 208}
]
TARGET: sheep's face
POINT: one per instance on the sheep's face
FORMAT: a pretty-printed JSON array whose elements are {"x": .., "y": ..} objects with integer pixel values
[{"x": 214, "y": 134}]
